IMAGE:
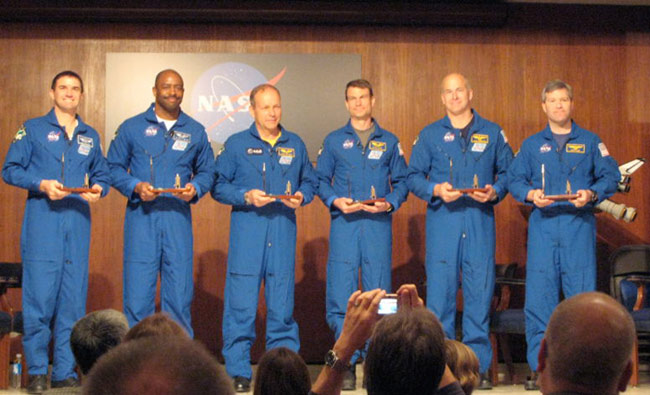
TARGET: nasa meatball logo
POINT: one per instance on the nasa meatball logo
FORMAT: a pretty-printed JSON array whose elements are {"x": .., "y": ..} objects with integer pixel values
[
  {"x": 220, "y": 98},
  {"x": 347, "y": 144},
  {"x": 151, "y": 131},
  {"x": 53, "y": 136},
  {"x": 449, "y": 137},
  {"x": 545, "y": 148}
]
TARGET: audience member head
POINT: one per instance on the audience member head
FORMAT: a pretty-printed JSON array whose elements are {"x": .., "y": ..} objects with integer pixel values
[
  {"x": 587, "y": 346},
  {"x": 281, "y": 371},
  {"x": 96, "y": 333},
  {"x": 158, "y": 324},
  {"x": 406, "y": 354},
  {"x": 463, "y": 364},
  {"x": 161, "y": 365}
]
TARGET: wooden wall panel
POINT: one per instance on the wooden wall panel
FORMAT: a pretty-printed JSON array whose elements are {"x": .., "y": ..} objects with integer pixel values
[{"x": 507, "y": 68}]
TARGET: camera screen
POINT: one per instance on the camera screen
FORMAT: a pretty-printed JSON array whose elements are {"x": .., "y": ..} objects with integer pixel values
[{"x": 387, "y": 306}]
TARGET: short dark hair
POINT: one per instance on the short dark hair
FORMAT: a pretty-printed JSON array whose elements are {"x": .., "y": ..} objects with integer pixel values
[
  {"x": 261, "y": 88},
  {"x": 96, "y": 333},
  {"x": 158, "y": 365},
  {"x": 160, "y": 74},
  {"x": 406, "y": 354},
  {"x": 158, "y": 324},
  {"x": 554, "y": 85},
  {"x": 67, "y": 73},
  {"x": 360, "y": 83},
  {"x": 281, "y": 371}
]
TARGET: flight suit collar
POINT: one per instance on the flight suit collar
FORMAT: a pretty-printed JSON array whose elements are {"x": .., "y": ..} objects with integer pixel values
[
  {"x": 284, "y": 136},
  {"x": 574, "y": 134},
  {"x": 150, "y": 115},
  {"x": 476, "y": 126},
  {"x": 377, "y": 133},
  {"x": 51, "y": 119}
]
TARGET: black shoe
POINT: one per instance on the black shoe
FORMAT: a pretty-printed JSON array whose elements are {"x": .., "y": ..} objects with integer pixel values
[
  {"x": 37, "y": 383},
  {"x": 485, "y": 383},
  {"x": 350, "y": 380},
  {"x": 69, "y": 382},
  {"x": 531, "y": 383},
  {"x": 242, "y": 384}
]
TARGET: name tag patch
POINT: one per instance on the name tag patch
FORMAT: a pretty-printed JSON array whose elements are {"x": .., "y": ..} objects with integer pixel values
[
  {"x": 478, "y": 147},
  {"x": 254, "y": 151},
  {"x": 480, "y": 139},
  {"x": 575, "y": 148},
  {"x": 285, "y": 160},
  {"x": 84, "y": 140},
  {"x": 85, "y": 144},
  {"x": 286, "y": 155},
  {"x": 375, "y": 154},
  {"x": 180, "y": 145}
]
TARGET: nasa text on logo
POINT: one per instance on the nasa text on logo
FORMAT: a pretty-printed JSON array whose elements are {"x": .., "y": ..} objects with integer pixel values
[
  {"x": 545, "y": 148},
  {"x": 220, "y": 98}
]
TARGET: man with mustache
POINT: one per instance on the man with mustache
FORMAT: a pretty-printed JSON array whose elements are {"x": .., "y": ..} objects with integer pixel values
[{"x": 162, "y": 148}]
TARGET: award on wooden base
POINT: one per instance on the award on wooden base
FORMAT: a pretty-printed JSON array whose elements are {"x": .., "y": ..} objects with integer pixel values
[
  {"x": 83, "y": 189},
  {"x": 373, "y": 198},
  {"x": 287, "y": 194},
  {"x": 558, "y": 198},
  {"x": 474, "y": 188},
  {"x": 176, "y": 189}
]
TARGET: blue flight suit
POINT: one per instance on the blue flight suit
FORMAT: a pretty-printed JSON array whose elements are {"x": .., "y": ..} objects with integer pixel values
[
  {"x": 262, "y": 240},
  {"x": 55, "y": 235},
  {"x": 561, "y": 237},
  {"x": 460, "y": 236},
  {"x": 359, "y": 240},
  {"x": 158, "y": 234}
]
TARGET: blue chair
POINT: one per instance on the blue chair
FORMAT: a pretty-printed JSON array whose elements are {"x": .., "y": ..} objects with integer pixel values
[
  {"x": 505, "y": 320},
  {"x": 629, "y": 283}
]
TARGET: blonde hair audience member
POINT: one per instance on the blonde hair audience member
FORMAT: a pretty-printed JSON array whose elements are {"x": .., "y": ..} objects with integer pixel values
[{"x": 463, "y": 364}]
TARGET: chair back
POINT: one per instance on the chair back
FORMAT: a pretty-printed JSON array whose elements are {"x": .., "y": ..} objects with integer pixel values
[{"x": 626, "y": 262}]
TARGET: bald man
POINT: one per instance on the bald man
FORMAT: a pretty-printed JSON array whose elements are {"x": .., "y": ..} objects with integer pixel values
[
  {"x": 587, "y": 348},
  {"x": 161, "y": 148},
  {"x": 461, "y": 151}
]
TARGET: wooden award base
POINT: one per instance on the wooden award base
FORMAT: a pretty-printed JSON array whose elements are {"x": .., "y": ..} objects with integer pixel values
[
  {"x": 561, "y": 198},
  {"x": 371, "y": 202},
  {"x": 282, "y": 197},
  {"x": 79, "y": 190},
  {"x": 170, "y": 190},
  {"x": 470, "y": 190}
]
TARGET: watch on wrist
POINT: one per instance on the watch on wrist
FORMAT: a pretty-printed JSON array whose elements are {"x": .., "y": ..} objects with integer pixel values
[
  {"x": 594, "y": 196},
  {"x": 333, "y": 361},
  {"x": 247, "y": 199}
]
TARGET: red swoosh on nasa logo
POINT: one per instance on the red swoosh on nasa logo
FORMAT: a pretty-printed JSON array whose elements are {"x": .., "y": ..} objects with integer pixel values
[{"x": 272, "y": 81}]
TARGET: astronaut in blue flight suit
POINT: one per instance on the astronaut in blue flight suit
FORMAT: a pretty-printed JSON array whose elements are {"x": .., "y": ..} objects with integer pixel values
[
  {"x": 264, "y": 160},
  {"x": 462, "y": 150},
  {"x": 357, "y": 160},
  {"x": 562, "y": 234},
  {"x": 48, "y": 153},
  {"x": 160, "y": 148}
]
